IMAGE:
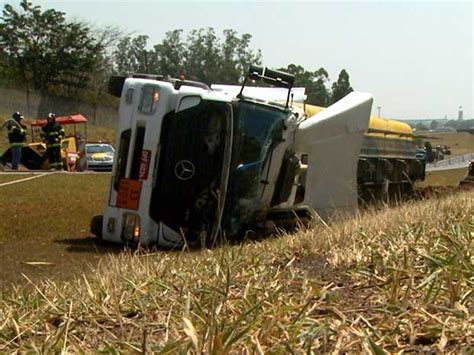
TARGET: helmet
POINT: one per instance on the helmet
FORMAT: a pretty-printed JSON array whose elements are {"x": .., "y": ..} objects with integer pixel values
[
  {"x": 17, "y": 116},
  {"x": 51, "y": 116}
]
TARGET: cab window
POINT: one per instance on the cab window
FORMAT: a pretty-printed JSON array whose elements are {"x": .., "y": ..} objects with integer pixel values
[{"x": 149, "y": 99}]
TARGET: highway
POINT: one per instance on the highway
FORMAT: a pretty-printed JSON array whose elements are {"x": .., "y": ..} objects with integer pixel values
[{"x": 454, "y": 162}]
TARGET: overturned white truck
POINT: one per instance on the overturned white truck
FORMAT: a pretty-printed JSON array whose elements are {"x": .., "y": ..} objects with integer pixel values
[{"x": 195, "y": 164}]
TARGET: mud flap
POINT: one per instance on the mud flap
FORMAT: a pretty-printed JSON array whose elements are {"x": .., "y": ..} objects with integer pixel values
[{"x": 332, "y": 139}]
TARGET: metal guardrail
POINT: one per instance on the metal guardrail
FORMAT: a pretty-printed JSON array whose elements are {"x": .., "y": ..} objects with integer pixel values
[{"x": 459, "y": 160}]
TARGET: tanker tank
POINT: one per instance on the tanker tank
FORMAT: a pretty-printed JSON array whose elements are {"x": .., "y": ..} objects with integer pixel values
[{"x": 387, "y": 159}]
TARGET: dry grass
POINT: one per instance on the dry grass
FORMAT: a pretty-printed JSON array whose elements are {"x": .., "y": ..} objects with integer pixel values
[
  {"x": 393, "y": 280},
  {"x": 459, "y": 142}
]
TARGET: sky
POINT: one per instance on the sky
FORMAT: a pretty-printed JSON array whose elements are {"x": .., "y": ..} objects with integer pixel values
[{"x": 415, "y": 58}]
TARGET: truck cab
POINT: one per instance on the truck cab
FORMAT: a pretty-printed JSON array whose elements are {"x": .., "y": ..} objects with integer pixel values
[{"x": 194, "y": 164}]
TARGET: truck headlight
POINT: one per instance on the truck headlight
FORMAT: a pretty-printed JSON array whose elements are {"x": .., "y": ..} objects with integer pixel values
[{"x": 131, "y": 227}]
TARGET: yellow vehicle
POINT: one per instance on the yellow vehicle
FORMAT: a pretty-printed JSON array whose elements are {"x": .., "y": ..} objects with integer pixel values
[
  {"x": 68, "y": 152},
  {"x": 388, "y": 162},
  {"x": 387, "y": 159}
]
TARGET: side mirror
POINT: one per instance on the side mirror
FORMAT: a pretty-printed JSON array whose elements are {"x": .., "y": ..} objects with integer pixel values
[{"x": 115, "y": 86}]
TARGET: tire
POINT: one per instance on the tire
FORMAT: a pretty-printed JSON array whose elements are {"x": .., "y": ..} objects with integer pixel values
[{"x": 96, "y": 226}]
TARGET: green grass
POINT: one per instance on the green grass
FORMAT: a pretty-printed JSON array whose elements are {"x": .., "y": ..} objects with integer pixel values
[
  {"x": 10, "y": 178},
  {"x": 51, "y": 206},
  {"x": 398, "y": 279}
]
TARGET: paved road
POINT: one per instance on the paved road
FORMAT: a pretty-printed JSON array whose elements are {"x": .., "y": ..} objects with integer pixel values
[{"x": 451, "y": 163}]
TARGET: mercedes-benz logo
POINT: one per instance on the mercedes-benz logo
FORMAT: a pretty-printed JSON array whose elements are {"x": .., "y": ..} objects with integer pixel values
[{"x": 184, "y": 170}]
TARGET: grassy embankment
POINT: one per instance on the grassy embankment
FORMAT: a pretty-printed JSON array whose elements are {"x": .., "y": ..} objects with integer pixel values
[
  {"x": 459, "y": 142},
  {"x": 394, "y": 279}
]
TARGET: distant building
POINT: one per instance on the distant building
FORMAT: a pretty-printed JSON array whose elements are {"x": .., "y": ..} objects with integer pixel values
[{"x": 460, "y": 114}]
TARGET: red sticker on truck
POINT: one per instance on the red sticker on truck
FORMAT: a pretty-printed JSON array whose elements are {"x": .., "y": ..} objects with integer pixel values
[
  {"x": 144, "y": 164},
  {"x": 129, "y": 194}
]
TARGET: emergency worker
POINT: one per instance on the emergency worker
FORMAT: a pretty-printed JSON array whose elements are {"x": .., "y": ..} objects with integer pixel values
[
  {"x": 430, "y": 155},
  {"x": 16, "y": 137},
  {"x": 51, "y": 134}
]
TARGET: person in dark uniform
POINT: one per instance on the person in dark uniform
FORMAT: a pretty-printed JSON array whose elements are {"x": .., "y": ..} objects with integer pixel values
[
  {"x": 52, "y": 133},
  {"x": 16, "y": 137},
  {"x": 430, "y": 156}
]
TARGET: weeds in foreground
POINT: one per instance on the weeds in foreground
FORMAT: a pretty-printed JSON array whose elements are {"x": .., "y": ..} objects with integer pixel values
[{"x": 398, "y": 279}]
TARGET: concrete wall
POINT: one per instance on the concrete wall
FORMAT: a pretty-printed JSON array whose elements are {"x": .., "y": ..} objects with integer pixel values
[{"x": 34, "y": 105}]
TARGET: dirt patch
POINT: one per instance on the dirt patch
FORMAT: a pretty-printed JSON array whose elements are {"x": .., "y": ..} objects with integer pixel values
[
  {"x": 318, "y": 268},
  {"x": 341, "y": 286}
]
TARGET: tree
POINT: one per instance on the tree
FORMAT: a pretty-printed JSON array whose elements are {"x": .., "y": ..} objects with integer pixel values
[
  {"x": 202, "y": 56},
  {"x": 107, "y": 37},
  {"x": 236, "y": 57},
  {"x": 452, "y": 124},
  {"x": 4, "y": 69},
  {"x": 171, "y": 54},
  {"x": 319, "y": 93},
  {"x": 46, "y": 52},
  {"x": 434, "y": 124},
  {"x": 420, "y": 127},
  {"x": 314, "y": 83},
  {"x": 341, "y": 87},
  {"x": 132, "y": 55}
]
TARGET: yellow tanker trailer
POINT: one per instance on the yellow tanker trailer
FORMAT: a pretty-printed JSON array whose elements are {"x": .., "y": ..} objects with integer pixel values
[{"x": 387, "y": 158}]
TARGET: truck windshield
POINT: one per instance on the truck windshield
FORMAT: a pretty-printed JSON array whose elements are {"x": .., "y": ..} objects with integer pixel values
[
  {"x": 99, "y": 148},
  {"x": 187, "y": 190},
  {"x": 257, "y": 130}
]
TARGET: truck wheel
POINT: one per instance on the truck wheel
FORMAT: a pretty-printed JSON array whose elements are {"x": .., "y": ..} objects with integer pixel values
[{"x": 96, "y": 226}]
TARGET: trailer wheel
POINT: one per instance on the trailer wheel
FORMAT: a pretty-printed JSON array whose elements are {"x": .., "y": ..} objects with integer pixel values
[{"x": 96, "y": 226}]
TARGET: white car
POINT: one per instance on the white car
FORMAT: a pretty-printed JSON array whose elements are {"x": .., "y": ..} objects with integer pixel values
[{"x": 100, "y": 156}]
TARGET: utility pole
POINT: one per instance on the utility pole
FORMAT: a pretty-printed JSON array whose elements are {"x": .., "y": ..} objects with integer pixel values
[{"x": 379, "y": 108}]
